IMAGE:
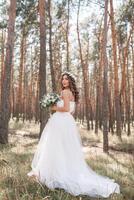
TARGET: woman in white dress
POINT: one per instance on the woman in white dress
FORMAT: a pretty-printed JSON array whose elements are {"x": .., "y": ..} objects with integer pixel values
[{"x": 59, "y": 160}]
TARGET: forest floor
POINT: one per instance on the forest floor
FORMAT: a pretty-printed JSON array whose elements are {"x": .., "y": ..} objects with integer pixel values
[{"x": 16, "y": 157}]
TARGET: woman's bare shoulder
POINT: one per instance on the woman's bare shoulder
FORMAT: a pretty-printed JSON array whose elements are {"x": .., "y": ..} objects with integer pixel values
[{"x": 66, "y": 92}]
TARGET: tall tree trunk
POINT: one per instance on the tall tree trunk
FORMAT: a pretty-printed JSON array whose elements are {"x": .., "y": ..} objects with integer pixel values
[
  {"x": 67, "y": 33},
  {"x": 50, "y": 48},
  {"x": 21, "y": 75},
  {"x": 31, "y": 85},
  {"x": 97, "y": 103},
  {"x": 84, "y": 72},
  {"x": 124, "y": 90},
  {"x": 37, "y": 99},
  {"x": 57, "y": 57},
  {"x": 2, "y": 61},
  {"x": 98, "y": 108},
  {"x": 127, "y": 97},
  {"x": 25, "y": 94},
  {"x": 42, "y": 69},
  {"x": 100, "y": 81},
  {"x": 132, "y": 47},
  {"x": 12, "y": 89},
  {"x": 105, "y": 83},
  {"x": 110, "y": 103},
  {"x": 116, "y": 79},
  {"x": 5, "y": 104}
]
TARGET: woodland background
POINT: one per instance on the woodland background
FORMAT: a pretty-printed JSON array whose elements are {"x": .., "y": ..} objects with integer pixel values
[{"x": 95, "y": 41}]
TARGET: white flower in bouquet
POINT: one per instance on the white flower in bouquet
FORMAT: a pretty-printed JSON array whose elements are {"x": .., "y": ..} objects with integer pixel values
[{"x": 49, "y": 99}]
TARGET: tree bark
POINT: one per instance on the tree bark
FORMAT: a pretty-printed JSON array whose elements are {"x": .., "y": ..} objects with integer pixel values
[
  {"x": 21, "y": 77},
  {"x": 42, "y": 68},
  {"x": 84, "y": 72},
  {"x": 5, "y": 102},
  {"x": 105, "y": 83},
  {"x": 116, "y": 79},
  {"x": 50, "y": 48},
  {"x": 67, "y": 33},
  {"x": 2, "y": 60}
]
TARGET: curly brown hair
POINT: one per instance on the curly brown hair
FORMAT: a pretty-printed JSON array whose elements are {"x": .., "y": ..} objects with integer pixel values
[{"x": 72, "y": 85}]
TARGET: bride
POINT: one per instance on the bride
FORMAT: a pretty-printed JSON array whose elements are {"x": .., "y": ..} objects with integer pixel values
[{"x": 59, "y": 160}]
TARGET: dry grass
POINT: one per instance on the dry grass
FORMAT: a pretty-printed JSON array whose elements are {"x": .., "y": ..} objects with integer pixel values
[{"x": 15, "y": 160}]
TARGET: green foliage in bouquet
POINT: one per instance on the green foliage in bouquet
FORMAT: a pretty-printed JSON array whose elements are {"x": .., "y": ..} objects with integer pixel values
[{"x": 49, "y": 100}]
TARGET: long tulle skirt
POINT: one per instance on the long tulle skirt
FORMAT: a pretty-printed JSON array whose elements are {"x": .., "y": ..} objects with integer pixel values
[{"x": 59, "y": 160}]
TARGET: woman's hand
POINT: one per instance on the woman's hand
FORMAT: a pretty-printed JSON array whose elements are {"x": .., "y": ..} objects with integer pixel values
[
  {"x": 53, "y": 107},
  {"x": 72, "y": 112}
]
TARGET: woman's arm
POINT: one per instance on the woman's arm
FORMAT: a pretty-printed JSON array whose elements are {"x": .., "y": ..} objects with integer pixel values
[{"x": 66, "y": 106}]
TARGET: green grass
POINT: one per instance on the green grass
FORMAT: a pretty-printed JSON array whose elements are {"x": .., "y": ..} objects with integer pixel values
[{"x": 15, "y": 160}]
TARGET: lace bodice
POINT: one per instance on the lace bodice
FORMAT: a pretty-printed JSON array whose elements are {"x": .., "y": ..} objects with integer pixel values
[{"x": 60, "y": 103}]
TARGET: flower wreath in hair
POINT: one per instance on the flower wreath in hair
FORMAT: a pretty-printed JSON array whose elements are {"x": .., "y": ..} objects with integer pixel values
[{"x": 70, "y": 74}]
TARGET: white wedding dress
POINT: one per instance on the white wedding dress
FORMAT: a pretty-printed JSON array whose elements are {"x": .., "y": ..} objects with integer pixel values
[{"x": 59, "y": 160}]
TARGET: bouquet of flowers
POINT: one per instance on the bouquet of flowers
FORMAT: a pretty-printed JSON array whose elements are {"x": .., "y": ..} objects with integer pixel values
[{"x": 49, "y": 100}]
